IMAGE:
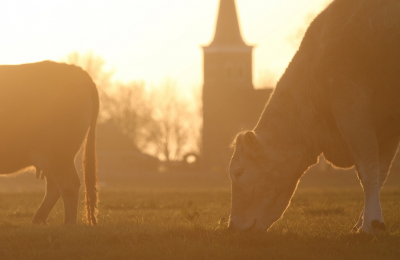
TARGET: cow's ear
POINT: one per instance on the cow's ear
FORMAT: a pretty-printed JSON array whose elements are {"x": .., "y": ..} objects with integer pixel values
[{"x": 250, "y": 144}]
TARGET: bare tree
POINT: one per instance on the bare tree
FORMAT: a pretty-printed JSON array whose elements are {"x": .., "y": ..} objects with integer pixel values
[
  {"x": 197, "y": 121},
  {"x": 129, "y": 108},
  {"x": 160, "y": 122},
  {"x": 173, "y": 133}
]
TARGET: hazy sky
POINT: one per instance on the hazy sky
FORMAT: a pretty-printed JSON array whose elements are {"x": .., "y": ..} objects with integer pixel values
[{"x": 150, "y": 40}]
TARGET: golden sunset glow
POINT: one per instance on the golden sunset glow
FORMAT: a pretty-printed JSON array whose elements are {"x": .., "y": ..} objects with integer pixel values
[
  {"x": 151, "y": 40},
  {"x": 199, "y": 129}
]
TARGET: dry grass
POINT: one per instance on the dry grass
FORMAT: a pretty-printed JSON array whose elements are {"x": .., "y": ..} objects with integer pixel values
[{"x": 140, "y": 224}]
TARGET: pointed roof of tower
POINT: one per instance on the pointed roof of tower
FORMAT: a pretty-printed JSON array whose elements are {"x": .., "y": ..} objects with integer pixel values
[{"x": 227, "y": 29}]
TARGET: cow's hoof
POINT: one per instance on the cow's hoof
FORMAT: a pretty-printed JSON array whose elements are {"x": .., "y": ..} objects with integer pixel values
[
  {"x": 39, "y": 222},
  {"x": 38, "y": 219},
  {"x": 377, "y": 228},
  {"x": 376, "y": 224}
]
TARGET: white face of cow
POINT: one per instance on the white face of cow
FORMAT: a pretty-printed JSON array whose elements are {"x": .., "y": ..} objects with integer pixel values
[{"x": 260, "y": 190}]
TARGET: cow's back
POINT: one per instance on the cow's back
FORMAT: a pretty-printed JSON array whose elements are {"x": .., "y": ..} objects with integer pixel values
[
  {"x": 44, "y": 107},
  {"x": 352, "y": 44},
  {"x": 356, "y": 42}
]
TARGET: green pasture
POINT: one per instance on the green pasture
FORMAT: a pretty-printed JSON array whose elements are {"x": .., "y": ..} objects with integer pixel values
[{"x": 187, "y": 220}]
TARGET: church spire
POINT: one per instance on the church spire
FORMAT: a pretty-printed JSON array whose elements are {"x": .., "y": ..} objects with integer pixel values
[{"x": 227, "y": 30}]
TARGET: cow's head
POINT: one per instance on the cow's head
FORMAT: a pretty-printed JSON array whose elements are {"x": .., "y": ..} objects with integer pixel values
[{"x": 262, "y": 183}]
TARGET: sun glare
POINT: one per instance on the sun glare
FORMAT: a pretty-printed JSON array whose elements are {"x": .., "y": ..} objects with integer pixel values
[
  {"x": 199, "y": 129},
  {"x": 149, "y": 40}
]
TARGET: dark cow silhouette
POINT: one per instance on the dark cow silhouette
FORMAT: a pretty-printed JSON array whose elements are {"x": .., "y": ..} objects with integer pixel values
[
  {"x": 339, "y": 97},
  {"x": 46, "y": 109}
]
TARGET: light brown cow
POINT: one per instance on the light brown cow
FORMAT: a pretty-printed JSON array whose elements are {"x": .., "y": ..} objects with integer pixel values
[
  {"x": 340, "y": 97},
  {"x": 46, "y": 109}
]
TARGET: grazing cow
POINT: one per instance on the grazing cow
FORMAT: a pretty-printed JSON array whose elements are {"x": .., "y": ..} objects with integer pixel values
[
  {"x": 340, "y": 97},
  {"x": 46, "y": 109}
]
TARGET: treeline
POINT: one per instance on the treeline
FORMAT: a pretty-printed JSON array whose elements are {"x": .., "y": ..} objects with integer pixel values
[{"x": 158, "y": 120}]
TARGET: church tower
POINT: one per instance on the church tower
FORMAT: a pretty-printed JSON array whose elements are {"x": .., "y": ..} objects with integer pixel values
[
  {"x": 228, "y": 84},
  {"x": 227, "y": 59}
]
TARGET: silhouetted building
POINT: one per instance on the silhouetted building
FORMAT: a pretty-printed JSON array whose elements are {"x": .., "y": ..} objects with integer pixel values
[
  {"x": 230, "y": 102},
  {"x": 118, "y": 157}
]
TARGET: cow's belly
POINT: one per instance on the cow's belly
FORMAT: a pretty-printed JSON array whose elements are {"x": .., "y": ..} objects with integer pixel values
[
  {"x": 341, "y": 158},
  {"x": 336, "y": 151}
]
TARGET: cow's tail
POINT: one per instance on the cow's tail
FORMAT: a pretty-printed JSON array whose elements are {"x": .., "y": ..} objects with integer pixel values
[{"x": 90, "y": 162}]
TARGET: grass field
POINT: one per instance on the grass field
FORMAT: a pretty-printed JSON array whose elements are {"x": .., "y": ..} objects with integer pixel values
[{"x": 190, "y": 223}]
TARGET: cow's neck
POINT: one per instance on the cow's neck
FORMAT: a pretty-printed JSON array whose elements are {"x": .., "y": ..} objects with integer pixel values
[{"x": 288, "y": 123}]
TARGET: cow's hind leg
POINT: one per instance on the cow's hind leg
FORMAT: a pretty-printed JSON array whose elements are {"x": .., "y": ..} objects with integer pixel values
[
  {"x": 50, "y": 199},
  {"x": 68, "y": 183}
]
